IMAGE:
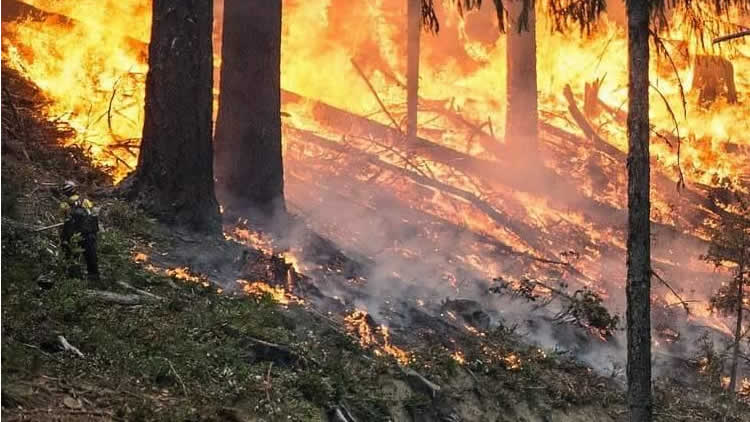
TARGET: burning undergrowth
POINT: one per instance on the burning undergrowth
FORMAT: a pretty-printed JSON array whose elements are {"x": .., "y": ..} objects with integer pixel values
[{"x": 431, "y": 356}]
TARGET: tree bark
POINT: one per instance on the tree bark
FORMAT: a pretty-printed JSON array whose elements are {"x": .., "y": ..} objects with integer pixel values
[
  {"x": 248, "y": 165},
  {"x": 639, "y": 225},
  {"x": 175, "y": 174},
  {"x": 414, "y": 18},
  {"x": 521, "y": 118},
  {"x": 737, "y": 330}
]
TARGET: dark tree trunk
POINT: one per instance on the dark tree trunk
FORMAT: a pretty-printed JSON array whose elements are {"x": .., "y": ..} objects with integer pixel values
[
  {"x": 521, "y": 119},
  {"x": 414, "y": 18},
  {"x": 248, "y": 163},
  {"x": 737, "y": 330},
  {"x": 639, "y": 224},
  {"x": 175, "y": 173}
]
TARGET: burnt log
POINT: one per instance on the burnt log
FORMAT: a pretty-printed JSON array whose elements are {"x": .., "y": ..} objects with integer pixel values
[
  {"x": 470, "y": 311},
  {"x": 418, "y": 382}
]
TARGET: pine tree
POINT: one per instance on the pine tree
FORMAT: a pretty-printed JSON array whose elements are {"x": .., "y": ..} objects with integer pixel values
[
  {"x": 174, "y": 176},
  {"x": 730, "y": 245},
  {"x": 249, "y": 166}
]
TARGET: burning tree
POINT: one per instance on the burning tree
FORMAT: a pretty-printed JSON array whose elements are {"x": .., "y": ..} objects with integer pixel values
[
  {"x": 641, "y": 14},
  {"x": 521, "y": 117},
  {"x": 730, "y": 244},
  {"x": 174, "y": 173},
  {"x": 414, "y": 12},
  {"x": 249, "y": 164}
]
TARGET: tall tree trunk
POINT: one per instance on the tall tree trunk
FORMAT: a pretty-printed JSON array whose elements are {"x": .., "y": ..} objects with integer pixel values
[
  {"x": 414, "y": 22},
  {"x": 737, "y": 330},
  {"x": 521, "y": 118},
  {"x": 175, "y": 166},
  {"x": 639, "y": 224},
  {"x": 249, "y": 165}
]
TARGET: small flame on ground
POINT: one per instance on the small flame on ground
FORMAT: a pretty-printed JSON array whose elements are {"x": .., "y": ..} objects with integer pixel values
[
  {"x": 277, "y": 293},
  {"x": 250, "y": 238},
  {"x": 184, "y": 273},
  {"x": 459, "y": 357},
  {"x": 293, "y": 259},
  {"x": 474, "y": 331},
  {"x": 357, "y": 323}
]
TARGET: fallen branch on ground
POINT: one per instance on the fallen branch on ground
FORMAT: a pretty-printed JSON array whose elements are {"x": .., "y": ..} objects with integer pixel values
[
  {"x": 421, "y": 383},
  {"x": 69, "y": 347},
  {"x": 139, "y": 291}
]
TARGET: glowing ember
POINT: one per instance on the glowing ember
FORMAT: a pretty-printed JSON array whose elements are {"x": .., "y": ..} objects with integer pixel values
[
  {"x": 140, "y": 257},
  {"x": 512, "y": 361},
  {"x": 474, "y": 331}
]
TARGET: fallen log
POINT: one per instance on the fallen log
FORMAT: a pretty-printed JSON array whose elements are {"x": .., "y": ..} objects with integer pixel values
[
  {"x": 117, "y": 298},
  {"x": 277, "y": 353},
  {"x": 140, "y": 291},
  {"x": 420, "y": 383}
]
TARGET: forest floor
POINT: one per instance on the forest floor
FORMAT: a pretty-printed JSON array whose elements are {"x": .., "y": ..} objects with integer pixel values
[{"x": 165, "y": 347}]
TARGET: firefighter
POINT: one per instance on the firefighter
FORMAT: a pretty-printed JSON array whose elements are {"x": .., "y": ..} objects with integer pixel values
[{"x": 80, "y": 219}]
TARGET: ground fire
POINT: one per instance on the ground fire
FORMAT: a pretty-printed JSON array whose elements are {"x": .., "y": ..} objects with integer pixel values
[{"x": 419, "y": 221}]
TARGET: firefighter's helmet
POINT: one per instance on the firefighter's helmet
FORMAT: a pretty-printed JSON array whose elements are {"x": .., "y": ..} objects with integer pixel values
[{"x": 69, "y": 188}]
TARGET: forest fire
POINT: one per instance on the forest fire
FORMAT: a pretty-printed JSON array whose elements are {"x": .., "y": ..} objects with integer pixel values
[{"x": 452, "y": 206}]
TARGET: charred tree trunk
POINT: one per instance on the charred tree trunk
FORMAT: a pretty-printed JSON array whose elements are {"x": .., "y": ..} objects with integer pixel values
[
  {"x": 639, "y": 224},
  {"x": 414, "y": 17},
  {"x": 249, "y": 166},
  {"x": 521, "y": 118},
  {"x": 175, "y": 174},
  {"x": 737, "y": 330}
]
